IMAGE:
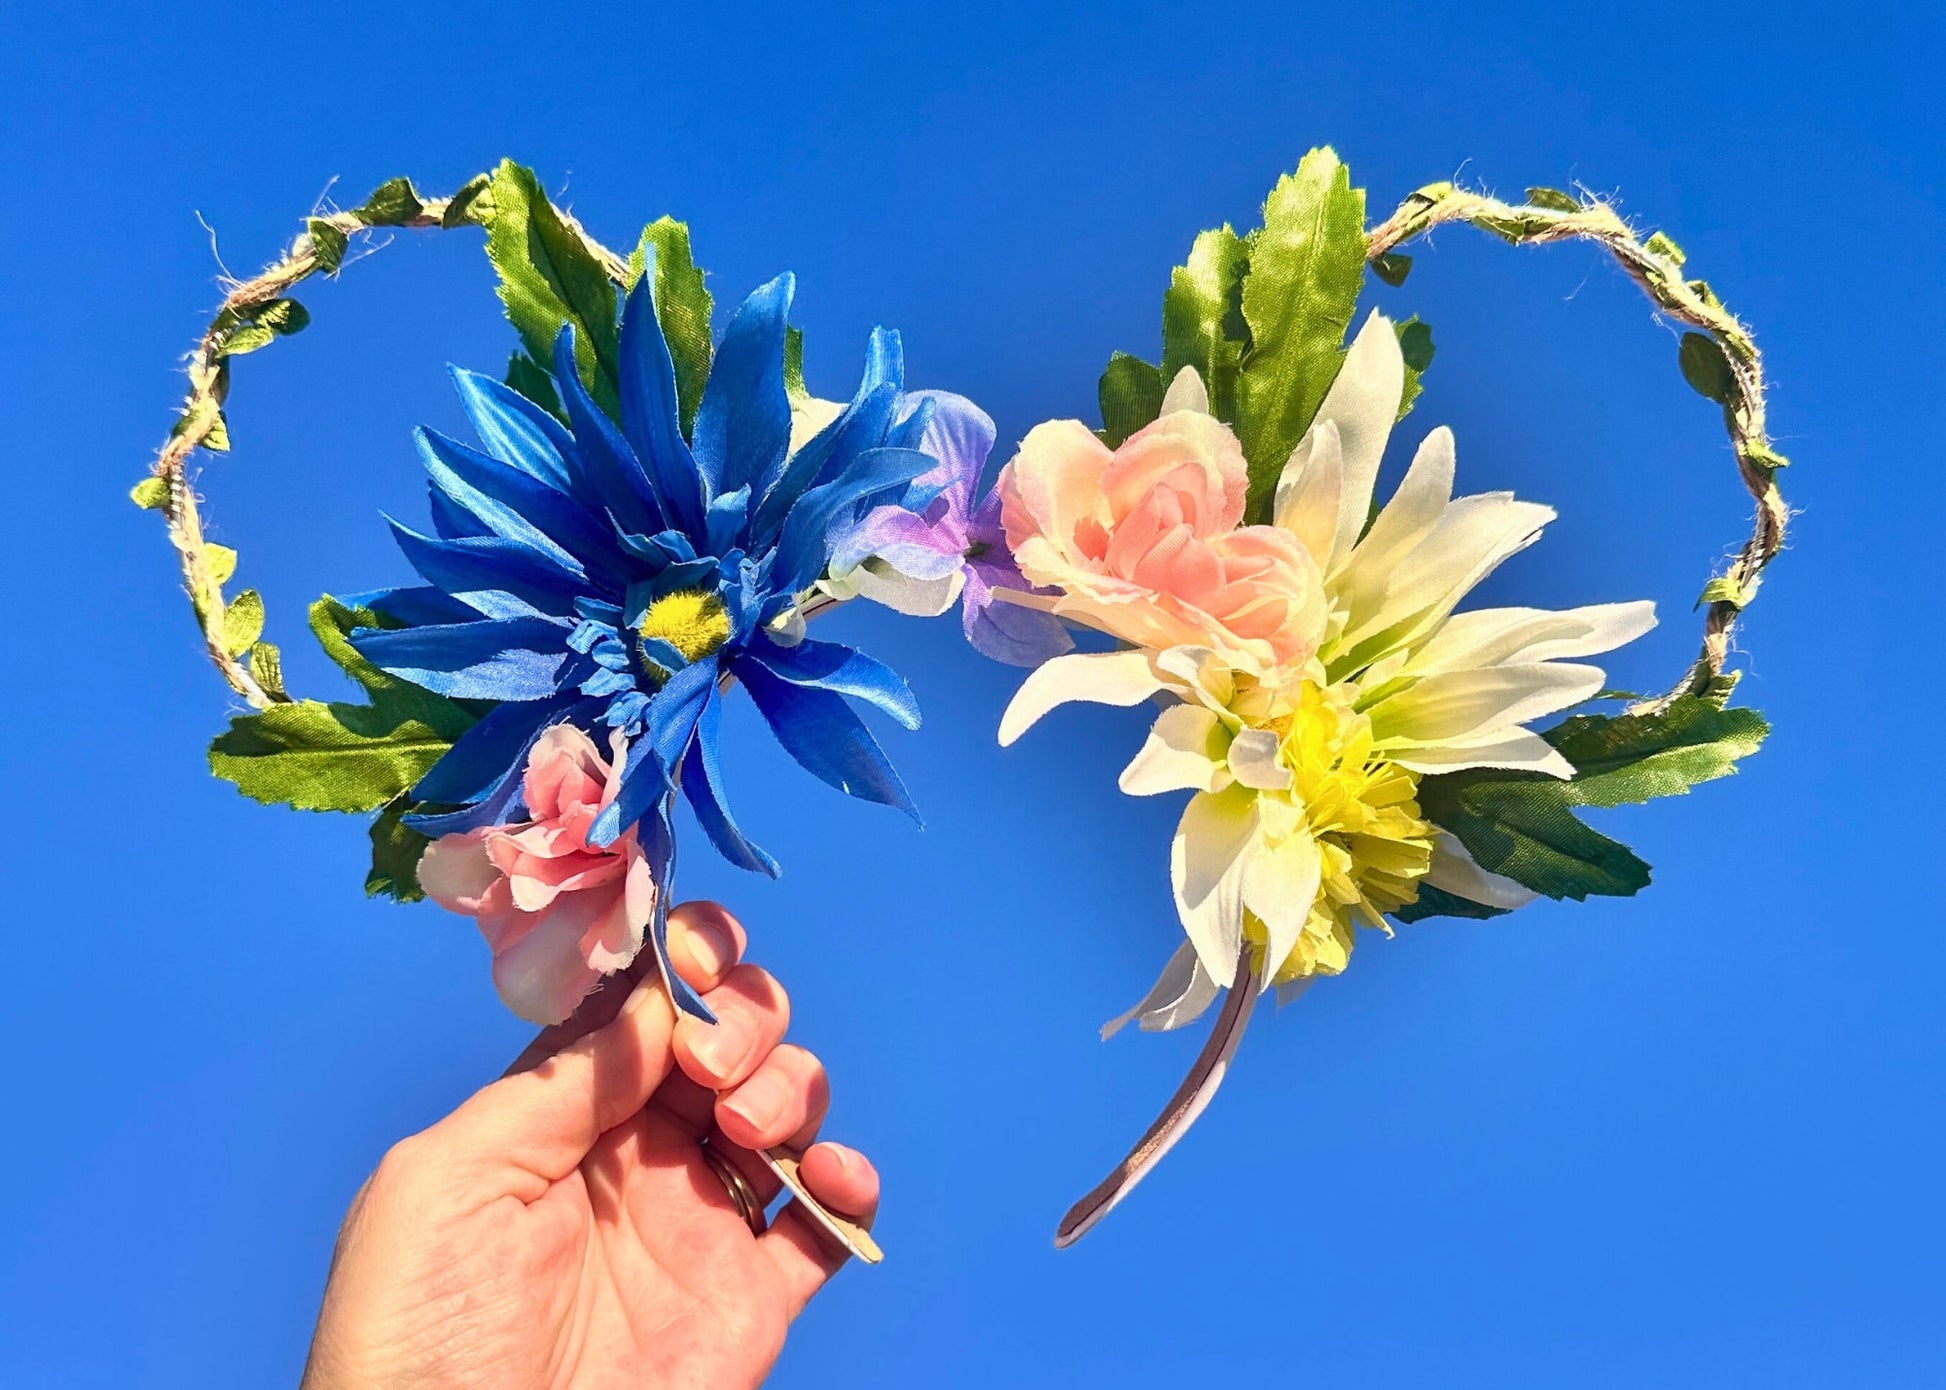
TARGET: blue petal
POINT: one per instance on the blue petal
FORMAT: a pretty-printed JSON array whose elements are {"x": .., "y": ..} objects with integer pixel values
[
  {"x": 659, "y": 849},
  {"x": 727, "y": 515},
  {"x": 517, "y": 431},
  {"x": 861, "y": 426},
  {"x": 819, "y": 730},
  {"x": 650, "y": 414},
  {"x": 509, "y": 504},
  {"x": 448, "y": 521},
  {"x": 474, "y": 767},
  {"x": 414, "y": 607},
  {"x": 804, "y": 547},
  {"x": 510, "y": 659},
  {"x": 476, "y": 569},
  {"x": 501, "y": 800},
  {"x": 743, "y": 426},
  {"x": 703, "y": 785},
  {"x": 654, "y": 757},
  {"x": 843, "y": 671},
  {"x": 612, "y": 467}
]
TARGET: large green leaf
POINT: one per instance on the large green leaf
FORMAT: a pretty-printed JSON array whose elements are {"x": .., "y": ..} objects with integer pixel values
[
  {"x": 1436, "y": 902},
  {"x": 340, "y": 756},
  {"x": 682, "y": 307},
  {"x": 549, "y": 276},
  {"x": 1131, "y": 397},
  {"x": 1202, "y": 317},
  {"x": 1306, "y": 267},
  {"x": 1522, "y": 824}
]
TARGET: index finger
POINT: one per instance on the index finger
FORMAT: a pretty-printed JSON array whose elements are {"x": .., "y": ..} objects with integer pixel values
[{"x": 705, "y": 943}]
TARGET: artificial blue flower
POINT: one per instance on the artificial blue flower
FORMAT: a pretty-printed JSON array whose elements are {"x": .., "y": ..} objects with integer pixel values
[{"x": 617, "y": 578}]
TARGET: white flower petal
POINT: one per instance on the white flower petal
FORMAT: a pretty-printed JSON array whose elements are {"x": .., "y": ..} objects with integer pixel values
[
  {"x": 1280, "y": 882},
  {"x": 1253, "y": 761},
  {"x": 1103, "y": 678},
  {"x": 881, "y": 582},
  {"x": 1520, "y": 749},
  {"x": 1422, "y": 498},
  {"x": 1186, "y": 392},
  {"x": 1201, "y": 670},
  {"x": 1457, "y": 705},
  {"x": 1455, "y": 871},
  {"x": 1183, "y": 752},
  {"x": 1363, "y": 402},
  {"x": 1308, "y": 491},
  {"x": 1179, "y": 996},
  {"x": 1493, "y": 636},
  {"x": 809, "y": 415},
  {"x": 1212, "y": 845}
]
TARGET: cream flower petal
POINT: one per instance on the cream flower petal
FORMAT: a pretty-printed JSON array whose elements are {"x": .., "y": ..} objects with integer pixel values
[
  {"x": 1415, "y": 509},
  {"x": 1280, "y": 882},
  {"x": 1473, "y": 536},
  {"x": 1520, "y": 749},
  {"x": 1179, "y": 996},
  {"x": 1253, "y": 761},
  {"x": 1491, "y": 636},
  {"x": 1183, "y": 752},
  {"x": 1363, "y": 402},
  {"x": 1186, "y": 392},
  {"x": 1102, "y": 678},
  {"x": 1200, "y": 670},
  {"x": 1456, "y": 705},
  {"x": 1213, "y": 843},
  {"x": 1308, "y": 492},
  {"x": 809, "y": 416},
  {"x": 916, "y": 598},
  {"x": 1454, "y": 871}
]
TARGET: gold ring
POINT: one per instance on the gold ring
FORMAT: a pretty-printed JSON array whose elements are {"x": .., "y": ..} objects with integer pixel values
[{"x": 742, "y": 1196}]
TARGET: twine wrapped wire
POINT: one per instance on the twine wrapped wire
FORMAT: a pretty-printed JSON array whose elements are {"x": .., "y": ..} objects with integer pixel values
[{"x": 1719, "y": 359}]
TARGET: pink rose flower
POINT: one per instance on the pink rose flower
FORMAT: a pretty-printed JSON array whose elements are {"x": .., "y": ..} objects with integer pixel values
[
  {"x": 1144, "y": 541},
  {"x": 558, "y": 912}
]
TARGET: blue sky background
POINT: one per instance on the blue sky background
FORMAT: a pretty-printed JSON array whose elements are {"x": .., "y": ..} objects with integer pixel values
[{"x": 1690, "y": 1139}]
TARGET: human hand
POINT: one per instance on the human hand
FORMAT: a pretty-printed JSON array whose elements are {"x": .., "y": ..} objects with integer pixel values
[{"x": 562, "y": 1228}]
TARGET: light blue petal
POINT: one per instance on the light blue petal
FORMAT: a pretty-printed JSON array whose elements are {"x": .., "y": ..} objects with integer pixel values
[
  {"x": 477, "y": 569},
  {"x": 804, "y": 546},
  {"x": 515, "y": 430}
]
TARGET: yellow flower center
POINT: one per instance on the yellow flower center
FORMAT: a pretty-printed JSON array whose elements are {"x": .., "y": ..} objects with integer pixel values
[
  {"x": 1372, "y": 844},
  {"x": 693, "y": 621}
]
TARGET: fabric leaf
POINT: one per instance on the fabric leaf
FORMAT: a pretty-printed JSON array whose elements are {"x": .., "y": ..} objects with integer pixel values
[
  {"x": 1306, "y": 267},
  {"x": 340, "y": 756},
  {"x": 1131, "y": 397},
  {"x": 1202, "y": 317},
  {"x": 396, "y": 850},
  {"x": 550, "y": 276}
]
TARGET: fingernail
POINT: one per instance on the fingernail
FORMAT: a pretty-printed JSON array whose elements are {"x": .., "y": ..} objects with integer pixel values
[
  {"x": 713, "y": 945},
  {"x": 759, "y": 1101},
  {"x": 847, "y": 1160},
  {"x": 724, "y": 1044}
]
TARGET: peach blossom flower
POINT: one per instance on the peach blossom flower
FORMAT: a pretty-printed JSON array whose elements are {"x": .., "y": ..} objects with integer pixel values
[
  {"x": 557, "y": 911},
  {"x": 1144, "y": 542}
]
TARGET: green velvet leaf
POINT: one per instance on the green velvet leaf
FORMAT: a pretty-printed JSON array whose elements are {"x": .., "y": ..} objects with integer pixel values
[
  {"x": 392, "y": 204},
  {"x": 1553, "y": 199},
  {"x": 1706, "y": 369},
  {"x": 1202, "y": 317},
  {"x": 1415, "y": 346},
  {"x": 794, "y": 386},
  {"x": 243, "y": 622},
  {"x": 1131, "y": 397},
  {"x": 396, "y": 850},
  {"x": 548, "y": 277},
  {"x": 1392, "y": 268},
  {"x": 682, "y": 307},
  {"x": 221, "y": 560},
  {"x": 1436, "y": 902},
  {"x": 468, "y": 205},
  {"x": 340, "y": 756},
  {"x": 1306, "y": 267},
  {"x": 536, "y": 383},
  {"x": 1526, "y": 831},
  {"x": 1662, "y": 245},
  {"x": 151, "y": 494},
  {"x": 328, "y": 244},
  {"x": 1627, "y": 759},
  {"x": 267, "y": 666},
  {"x": 1724, "y": 589}
]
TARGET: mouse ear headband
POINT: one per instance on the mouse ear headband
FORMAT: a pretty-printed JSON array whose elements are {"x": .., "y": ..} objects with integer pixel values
[{"x": 653, "y": 512}]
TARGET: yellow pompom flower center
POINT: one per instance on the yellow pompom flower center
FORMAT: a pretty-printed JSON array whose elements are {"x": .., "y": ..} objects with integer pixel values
[
  {"x": 693, "y": 621},
  {"x": 1361, "y": 810}
]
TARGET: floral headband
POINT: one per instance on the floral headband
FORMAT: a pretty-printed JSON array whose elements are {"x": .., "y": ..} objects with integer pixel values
[{"x": 652, "y": 515}]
